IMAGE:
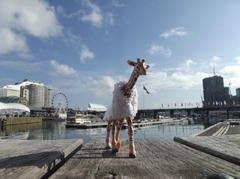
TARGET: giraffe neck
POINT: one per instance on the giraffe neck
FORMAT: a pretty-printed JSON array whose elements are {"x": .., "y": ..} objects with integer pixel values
[{"x": 132, "y": 81}]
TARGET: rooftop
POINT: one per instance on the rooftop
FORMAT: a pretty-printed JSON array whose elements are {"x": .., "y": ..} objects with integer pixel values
[{"x": 17, "y": 86}]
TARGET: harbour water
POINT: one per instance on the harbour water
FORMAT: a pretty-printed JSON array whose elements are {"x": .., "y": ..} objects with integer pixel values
[{"x": 50, "y": 130}]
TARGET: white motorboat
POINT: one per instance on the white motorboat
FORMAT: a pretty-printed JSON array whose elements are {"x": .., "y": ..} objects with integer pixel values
[{"x": 82, "y": 119}]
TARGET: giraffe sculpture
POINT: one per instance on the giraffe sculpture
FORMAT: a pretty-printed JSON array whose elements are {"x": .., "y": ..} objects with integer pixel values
[{"x": 124, "y": 106}]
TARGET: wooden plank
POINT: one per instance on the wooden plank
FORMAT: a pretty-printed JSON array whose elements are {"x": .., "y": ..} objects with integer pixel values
[
  {"x": 226, "y": 147},
  {"x": 155, "y": 159},
  {"x": 34, "y": 158}
]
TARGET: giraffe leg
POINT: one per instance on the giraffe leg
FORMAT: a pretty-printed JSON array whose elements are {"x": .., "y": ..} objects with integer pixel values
[
  {"x": 108, "y": 129},
  {"x": 116, "y": 140},
  {"x": 132, "y": 151},
  {"x": 119, "y": 127},
  {"x": 113, "y": 133}
]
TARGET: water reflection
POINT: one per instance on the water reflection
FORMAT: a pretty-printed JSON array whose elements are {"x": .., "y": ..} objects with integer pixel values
[{"x": 49, "y": 130}]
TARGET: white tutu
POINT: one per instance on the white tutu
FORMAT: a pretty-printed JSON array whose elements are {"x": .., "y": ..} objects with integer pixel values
[
  {"x": 108, "y": 114},
  {"x": 122, "y": 106}
]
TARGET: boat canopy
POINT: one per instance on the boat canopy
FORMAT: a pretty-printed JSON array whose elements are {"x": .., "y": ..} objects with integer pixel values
[{"x": 96, "y": 107}]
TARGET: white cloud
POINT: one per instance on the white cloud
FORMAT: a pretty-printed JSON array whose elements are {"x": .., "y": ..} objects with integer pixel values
[
  {"x": 158, "y": 80},
  {"x": 86, "y": 54},
  {"x": 73, "y": 40},
  {"x": 237, "y": 59},
  {"x": 17, "y": 18},
  {"x": 214, "y": 61},
  {"x": 231, "y": 74},
  {"x": 155, "y": 48},
  {"x": 118, "y": 3},
  {"x": 187, "y": 75},
  {"x": 99, "y": 86},
  {"x": 62, "y": 69},
  {"x": 105, "y": 82},
  {"x": 23, "y": 66},
  {"x": 11, "y": 41},
  {"x": 91, "y": 13},
  {"x": 232, "y": 70},
  {"x": 190, "y": 62},
  {"x": 60, "y": 10},
  {"x": 110, "y": 19},
  {"x": 178, "y": 31}
]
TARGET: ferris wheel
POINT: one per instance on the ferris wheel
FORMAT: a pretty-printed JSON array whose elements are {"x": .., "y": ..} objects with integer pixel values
[{"x": 60, "y": 102}]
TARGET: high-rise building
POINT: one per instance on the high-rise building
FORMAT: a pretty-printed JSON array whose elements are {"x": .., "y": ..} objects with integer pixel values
[
  {"x": 214, "y": 91},
  {"x": 238, "y": 92},
  {"x": 38, "y": 95},
  {"x": 24, "y": 95}
]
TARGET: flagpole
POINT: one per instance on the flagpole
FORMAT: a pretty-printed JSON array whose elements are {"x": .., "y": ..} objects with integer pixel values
[{"x": 143, "y": 98}]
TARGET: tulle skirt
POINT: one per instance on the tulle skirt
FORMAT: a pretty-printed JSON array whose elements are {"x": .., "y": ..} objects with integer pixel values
[{"x": 122, "y": 106}]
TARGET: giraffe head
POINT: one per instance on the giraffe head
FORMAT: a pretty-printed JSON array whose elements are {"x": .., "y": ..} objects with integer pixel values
[{"x": 140, "y": 66}]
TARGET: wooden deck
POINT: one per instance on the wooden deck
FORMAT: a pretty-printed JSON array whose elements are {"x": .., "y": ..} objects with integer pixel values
[
  {"x": 226, "y": 147},
  {"x": 155, "y": 159},
  {"x": 34, "y": 158}
]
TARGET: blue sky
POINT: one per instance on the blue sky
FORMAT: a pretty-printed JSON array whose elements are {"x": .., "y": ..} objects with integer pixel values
[{"x": 80, "y": 47}]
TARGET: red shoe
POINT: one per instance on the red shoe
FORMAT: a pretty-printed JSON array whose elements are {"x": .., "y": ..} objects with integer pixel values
[{"x": 117, "y": 146}]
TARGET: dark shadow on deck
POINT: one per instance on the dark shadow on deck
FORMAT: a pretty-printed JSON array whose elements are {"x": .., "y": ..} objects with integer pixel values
[
  {"x": 98, "y": 155},
  {"x": 36, "y": 159}
]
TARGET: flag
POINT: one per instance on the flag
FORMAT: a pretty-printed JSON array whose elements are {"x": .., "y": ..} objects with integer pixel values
[{"x": 146, "y": 89}]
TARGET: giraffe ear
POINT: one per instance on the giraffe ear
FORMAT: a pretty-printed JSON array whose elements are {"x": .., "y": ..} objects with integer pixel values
[
  {"x": 132, "y": 63},
  {"x": 147, "y": 67}
]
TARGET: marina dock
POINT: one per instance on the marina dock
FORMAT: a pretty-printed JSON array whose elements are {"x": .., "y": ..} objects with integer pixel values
[
  {"x": 19, "y": 121},
  {"x": 135, "y": 124}
]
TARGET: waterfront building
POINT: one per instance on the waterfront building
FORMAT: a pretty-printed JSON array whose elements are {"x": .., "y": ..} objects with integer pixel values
[
  {"x": 46, "y": 96},
  {"x": 38, "y": 95},
  {"x": 215, "y": 94},
  {"x": 24, "y": 95},
  {"x": 9, "y": 90},
  {"x": 31, "y": 93},
  {"x": 9, "y": 99}
]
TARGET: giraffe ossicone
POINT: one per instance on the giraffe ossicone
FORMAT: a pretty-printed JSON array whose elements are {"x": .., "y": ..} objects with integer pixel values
[{"x": 124, "y": 106}]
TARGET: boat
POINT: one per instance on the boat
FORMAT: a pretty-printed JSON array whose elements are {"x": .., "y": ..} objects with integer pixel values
[
  {"x": 82, "y": 119},
  {"x": 62, "y": 116}
]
